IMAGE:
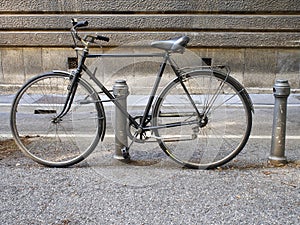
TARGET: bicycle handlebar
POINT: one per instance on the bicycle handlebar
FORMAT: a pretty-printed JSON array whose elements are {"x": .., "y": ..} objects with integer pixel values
[{"x": 85, "y": 40}]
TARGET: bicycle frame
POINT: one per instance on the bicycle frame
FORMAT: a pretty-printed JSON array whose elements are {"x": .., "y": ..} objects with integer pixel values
[
  {"x": 113, "y": 98},
  {"x": 82, "y": 67}
]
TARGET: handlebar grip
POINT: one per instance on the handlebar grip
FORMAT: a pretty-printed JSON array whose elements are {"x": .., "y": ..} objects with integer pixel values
[
  {"x": 102, "y": 38},
  {"x": 80, "y": 24}
]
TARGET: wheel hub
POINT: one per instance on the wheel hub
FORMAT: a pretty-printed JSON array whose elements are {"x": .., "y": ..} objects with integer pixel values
[
  {"x": 203, "y": 122},
  {"x": 56, "y": 120}
]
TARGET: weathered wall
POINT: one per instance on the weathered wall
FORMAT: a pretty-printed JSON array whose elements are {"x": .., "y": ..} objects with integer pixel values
[{"x": 254, "y": 37}]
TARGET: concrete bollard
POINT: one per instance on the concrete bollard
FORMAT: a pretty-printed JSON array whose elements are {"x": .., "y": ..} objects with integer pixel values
[
  {"x": 120, "y": 91},
  {"x": 281, "y": 91}
]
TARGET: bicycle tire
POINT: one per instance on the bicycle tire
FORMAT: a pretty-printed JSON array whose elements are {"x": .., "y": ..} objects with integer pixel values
[
  {"x": 218, "y": 134},
  {"x": 62, "y": 143}
]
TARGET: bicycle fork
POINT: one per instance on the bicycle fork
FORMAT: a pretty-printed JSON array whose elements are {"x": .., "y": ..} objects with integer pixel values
[{"x": 72, "y": 87}]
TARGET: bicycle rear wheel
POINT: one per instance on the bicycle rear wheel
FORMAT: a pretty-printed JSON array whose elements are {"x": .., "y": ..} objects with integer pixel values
[
  {"x": 213, "y": 134},
  {"x": 50, "y": 141}
]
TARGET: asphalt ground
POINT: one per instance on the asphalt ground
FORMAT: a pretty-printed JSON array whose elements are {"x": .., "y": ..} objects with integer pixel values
[{"x": 101, "y": 190}]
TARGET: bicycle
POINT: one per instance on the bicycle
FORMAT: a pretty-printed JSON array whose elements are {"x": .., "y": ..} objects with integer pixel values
[{"x": 201, "y": 119}]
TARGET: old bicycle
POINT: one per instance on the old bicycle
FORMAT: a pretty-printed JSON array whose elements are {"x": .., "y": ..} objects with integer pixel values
[{"x": 201, "y": 119}]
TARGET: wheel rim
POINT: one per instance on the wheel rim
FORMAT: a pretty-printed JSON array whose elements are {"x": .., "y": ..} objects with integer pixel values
[
  {"x": 50, "y": 140},
  {"x": 213, "y": 135}
]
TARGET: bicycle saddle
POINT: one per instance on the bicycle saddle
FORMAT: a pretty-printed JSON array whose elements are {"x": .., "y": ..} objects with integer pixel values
[{"x": 174, "y": 45}]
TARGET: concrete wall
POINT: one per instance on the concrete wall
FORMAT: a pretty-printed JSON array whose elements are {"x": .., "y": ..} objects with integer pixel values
[{"x": 254, "y": 37}]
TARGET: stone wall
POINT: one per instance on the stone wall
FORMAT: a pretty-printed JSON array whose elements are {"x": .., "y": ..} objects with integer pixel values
[{"x": 254, "y": 37}]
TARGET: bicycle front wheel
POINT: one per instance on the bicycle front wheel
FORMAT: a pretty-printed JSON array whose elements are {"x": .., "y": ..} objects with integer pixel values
[
  {"x": 203, "y": 119},
  {"x": 45, "y": 138}
]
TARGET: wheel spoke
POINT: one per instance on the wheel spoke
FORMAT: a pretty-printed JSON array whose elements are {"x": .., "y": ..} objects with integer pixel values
[
  {"x": 53, "y": 142},
  {"x": 221, "y": 131}
]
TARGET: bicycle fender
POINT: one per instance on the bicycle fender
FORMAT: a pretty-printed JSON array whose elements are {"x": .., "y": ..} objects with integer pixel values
[{"x": 216, "y": 73}]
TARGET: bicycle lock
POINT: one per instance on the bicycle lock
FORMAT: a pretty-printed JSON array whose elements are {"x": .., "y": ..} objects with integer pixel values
[
  {"x": 281, "y": 91},
  {"x": 120, "y": 91}
]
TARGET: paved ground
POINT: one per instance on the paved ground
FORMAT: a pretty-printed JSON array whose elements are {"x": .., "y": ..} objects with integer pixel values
[{"x": 103, "y": 191}]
